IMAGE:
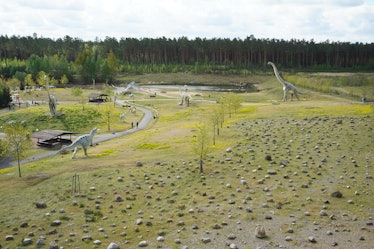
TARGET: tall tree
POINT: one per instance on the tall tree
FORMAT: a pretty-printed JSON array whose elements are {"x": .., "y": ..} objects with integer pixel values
[
  {"x": 17, "y": 142},
  {"x": 202, "y": 145},
  {"x": 5, "y": 97}
]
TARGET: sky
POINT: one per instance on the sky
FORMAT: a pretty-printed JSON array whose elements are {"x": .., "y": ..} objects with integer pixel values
[{"x": 318, "y": 20}]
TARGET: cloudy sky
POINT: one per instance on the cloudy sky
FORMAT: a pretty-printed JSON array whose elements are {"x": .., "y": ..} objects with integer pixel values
[{"x": 321, "y": 20}]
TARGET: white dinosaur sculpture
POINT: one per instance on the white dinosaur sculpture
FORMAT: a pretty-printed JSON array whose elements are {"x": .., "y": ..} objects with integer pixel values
[
  {"x": 84, "y": 141},
  {"x": 287, "y": 86},
  {"x": 185, "y": 96}
]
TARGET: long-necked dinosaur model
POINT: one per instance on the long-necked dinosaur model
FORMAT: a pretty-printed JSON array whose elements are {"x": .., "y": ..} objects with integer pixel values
[
  {"x": 84, "y": 141},
  {"x": 51, "y": 98},
  {"x": 287, "y": 86}
]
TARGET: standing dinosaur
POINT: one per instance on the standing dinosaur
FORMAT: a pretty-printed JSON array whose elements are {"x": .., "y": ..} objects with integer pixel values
[
  {"x": 51, "y": 98},
  {"x": 84, "y": 141},
  {"x": 287, "y": 86},
  {"x": 185, "y": 96}
]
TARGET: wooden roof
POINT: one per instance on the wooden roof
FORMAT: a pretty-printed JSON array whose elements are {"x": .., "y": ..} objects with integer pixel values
[
  {"x": 97, "y": 95},
  {"x": 49, "y": 134}
]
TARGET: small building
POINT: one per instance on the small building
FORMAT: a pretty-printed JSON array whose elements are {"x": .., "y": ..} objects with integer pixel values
[
  {"x": 52, "y": 138},
  {"x": 98, "y": 97}
]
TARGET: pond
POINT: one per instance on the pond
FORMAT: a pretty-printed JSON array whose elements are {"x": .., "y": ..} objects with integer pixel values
[{"x": 213, "y": 88}]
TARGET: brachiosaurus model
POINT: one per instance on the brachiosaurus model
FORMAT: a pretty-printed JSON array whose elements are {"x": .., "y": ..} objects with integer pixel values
[
  {"x": 287, "y": 86},
  {"x": 84, "y": 141}
]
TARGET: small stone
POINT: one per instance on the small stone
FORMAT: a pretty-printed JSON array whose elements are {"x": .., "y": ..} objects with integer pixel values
[
  {"x": 160, "y": 239},
  {"x": 216, "y": 226},
  {"x": 206, "y": 240},
  {"x": 40, "y": 242},
  {"x": 323, "y": 212},
  {"x": 290, "y": 230},
  {"x": 41, "y": 205},
  {"x": 53, "y": 245},
  {"x": 231, "y": 202},
  {"x": 113, "y": 246},
  {"x": 288, "y": 238},
  {"x": 272, "y": 172},
  {"x": 139, "y": 164},
  {"x": 9, "y": 237},
  {"x": 260, "y": 232},
  {"x": 337, "y": 194},
  {"x": 97, "y": 242},
  {"x": 26, "y": 241},
  {"x": 231, "y": 236},
  {"x": 139, "y": 221},
  {"x": 143, "y": 243},
  {"x": 87, "y": 237},
  {"x": 118, "y": 198},
  {"x": 312, "y": 239},
  {"x": 24, "y": 224},
  {"x": 233, "y": 246},
  {"x": 56, "y": 223}
]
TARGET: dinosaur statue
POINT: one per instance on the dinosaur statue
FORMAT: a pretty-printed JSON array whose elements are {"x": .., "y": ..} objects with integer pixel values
[
  {"x": 185, "y": 96},
  {"x": 52, "y": 100},
  {"x": 287, "y": 86},
  {"x": 84, "y": 141}
]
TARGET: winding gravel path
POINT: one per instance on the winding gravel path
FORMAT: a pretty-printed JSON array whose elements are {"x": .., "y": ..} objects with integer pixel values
[{"x": 147, "y": 118}]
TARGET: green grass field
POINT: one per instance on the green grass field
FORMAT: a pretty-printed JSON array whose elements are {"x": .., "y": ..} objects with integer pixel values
[{"x": 274, "y": 164}]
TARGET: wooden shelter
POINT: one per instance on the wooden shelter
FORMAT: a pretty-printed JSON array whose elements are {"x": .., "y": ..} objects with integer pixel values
[
  {"x": 98, "y": 97},
  {"x": 52, "y": 138}
]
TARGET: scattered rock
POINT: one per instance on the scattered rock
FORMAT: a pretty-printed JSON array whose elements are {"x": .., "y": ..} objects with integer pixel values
[
  {"x": 24, "y": 224},
  {"x": 206, "y": 240},
  {"x": 53, "y": 245},
  {"x": 337, "y": 194},
  {"x": 323, "y": 212},
  {"x": 55, "y": 223},
  {"x": 113, "y": 246},
  {"x": 9, "y": 237},
  {"x": 143, "y": 243},
  {"x": 41, "y": 204},
  {"x": 40, "y": 242},
  {"x": 26, "y": 241},
  {"x": 260, "y": 232},
  {"x": 231, "y": 236},
  {"x": 272, "y": 172},
  {"x": 118, "y": 198},
  {"x": 233, "y": 246},
  {"x": 139, "y": 221},
  {"x": 312, "y": 239}
]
